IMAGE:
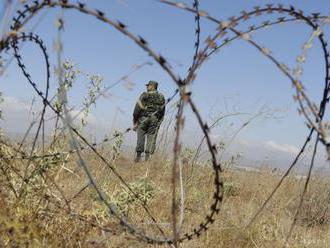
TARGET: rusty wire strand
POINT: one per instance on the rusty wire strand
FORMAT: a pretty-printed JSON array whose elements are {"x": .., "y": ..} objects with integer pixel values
[
  {"x": 161, "y": 62},
  {"x": 185, "y": 96},
  {"x": 233, "y": 22}
]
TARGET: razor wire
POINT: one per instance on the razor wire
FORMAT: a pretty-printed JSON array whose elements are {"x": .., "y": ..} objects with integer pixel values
[
  {"x": 160, "y": 59},
  {"x": 297, "y": 84},
  {"x": 200, "y": 56}
]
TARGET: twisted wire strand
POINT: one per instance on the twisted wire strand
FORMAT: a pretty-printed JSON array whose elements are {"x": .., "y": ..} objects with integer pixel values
[
  {"x": 75, "y": 130},
  {"x": 26, "y": 180},
  {"x": 25, "y": 156},
  {"x": 50, "y": 198},
  {"x": 197, "y": 32},
  {"x": 142, "y": 43},
  {"x": 18, "y": 57},
  {"x": 57, "y": 203},
  {"x": 67, "y": 121},
  {"x": 302, "y": 197},
  {"x": 309, "y": 104},
  {"x": 198, "y": 60},
  {"x": 298, "y": 15},
  {"x": 319, "y": 137}
]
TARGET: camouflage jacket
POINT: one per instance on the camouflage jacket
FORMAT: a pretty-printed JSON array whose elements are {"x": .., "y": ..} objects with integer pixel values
[{"x": 149, "y": 103}]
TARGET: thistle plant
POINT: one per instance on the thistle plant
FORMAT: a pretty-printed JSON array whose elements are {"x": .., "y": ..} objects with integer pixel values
[
  {"x": 117, "y": 144},
  {"x": 124, "y": 199},
  {"x": 203, "y": 51},
  {"x": 70, "y": 75},
  {"x": 94, "y": 88}
]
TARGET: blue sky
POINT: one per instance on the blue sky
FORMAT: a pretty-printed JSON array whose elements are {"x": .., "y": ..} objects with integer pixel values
[{"x": 237, "y": 79}]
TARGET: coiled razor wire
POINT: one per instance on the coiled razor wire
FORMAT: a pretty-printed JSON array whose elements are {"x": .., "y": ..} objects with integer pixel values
[
  {"x": 200, "y": 56},
  {"x": 311, "y": 21},
  {"x": 159, "y": 59}
]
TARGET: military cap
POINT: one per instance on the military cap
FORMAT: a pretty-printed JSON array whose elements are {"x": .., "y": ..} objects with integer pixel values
[{"x": 151, "y": 82}]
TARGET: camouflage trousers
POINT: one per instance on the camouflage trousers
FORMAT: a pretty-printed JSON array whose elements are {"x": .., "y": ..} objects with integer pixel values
[{"x": 147, "y": 129}]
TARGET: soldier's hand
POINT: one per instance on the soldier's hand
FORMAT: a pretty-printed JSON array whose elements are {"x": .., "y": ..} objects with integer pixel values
[{"x": 135, "y": 126}]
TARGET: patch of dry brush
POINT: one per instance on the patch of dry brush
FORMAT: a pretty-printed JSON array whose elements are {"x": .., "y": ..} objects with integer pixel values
[{"x": 36, "y": 214}]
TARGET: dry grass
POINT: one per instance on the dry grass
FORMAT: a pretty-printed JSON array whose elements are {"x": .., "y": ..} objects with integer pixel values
[{"x": 40, "y": 218}]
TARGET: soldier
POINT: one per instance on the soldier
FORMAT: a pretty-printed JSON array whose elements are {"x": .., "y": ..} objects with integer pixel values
[{"x": 147, "y": 116}]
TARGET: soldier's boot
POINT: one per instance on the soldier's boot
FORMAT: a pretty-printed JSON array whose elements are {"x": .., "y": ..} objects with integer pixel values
[
  {"x": 147, "y": 156},
  {"x": 138, "y": 157}
]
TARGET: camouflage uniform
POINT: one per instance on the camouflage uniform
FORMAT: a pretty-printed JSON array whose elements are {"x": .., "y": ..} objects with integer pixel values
[{"x": 148, "y": 114}]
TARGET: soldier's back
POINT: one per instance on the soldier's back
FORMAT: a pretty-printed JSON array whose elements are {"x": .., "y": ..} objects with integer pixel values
[{"x": 153, "y": 101}]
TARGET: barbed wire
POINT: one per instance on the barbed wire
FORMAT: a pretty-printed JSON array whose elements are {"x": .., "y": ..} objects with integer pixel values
[
  {"x": 120, "y": 26},
  {"x": 10, "y": 41},
  {"x": 311, "y": 21}
]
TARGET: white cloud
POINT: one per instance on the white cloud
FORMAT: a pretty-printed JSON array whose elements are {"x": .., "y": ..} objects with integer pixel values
[
  {"x": 282, "y": 147},
  {"x": 97, "y": 124},
  {"x": 13, "y": 104},
  {"x": 243, "y": 142},
  {"x": 268, "y": 146},
  {"x": 18, "y": 115}
]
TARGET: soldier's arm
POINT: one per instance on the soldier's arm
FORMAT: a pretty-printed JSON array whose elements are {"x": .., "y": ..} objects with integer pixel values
[
  {"x": 162, "y": 107},
  {"x": 138, "y": 108},
  {"x": 136, "y": 113}
]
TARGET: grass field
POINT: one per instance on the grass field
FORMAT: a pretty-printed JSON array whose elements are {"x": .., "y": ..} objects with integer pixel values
[{"x": 38, "y": 215}]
